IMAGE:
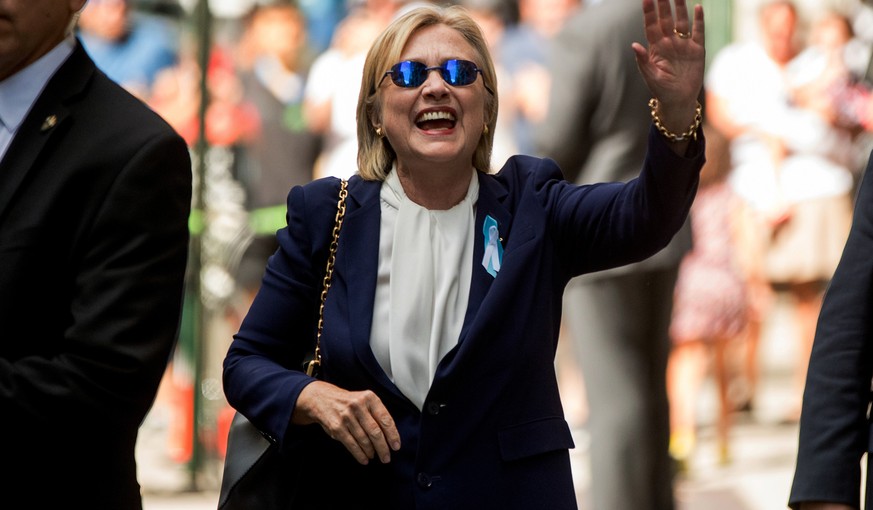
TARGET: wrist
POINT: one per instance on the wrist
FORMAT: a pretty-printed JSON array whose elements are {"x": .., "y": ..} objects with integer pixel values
[{"x": 669, "y": 131}]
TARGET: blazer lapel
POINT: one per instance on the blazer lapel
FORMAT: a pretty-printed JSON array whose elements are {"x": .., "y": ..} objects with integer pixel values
[
  {"x": 29, "y": 142},
  {"x": 46, "y": 118},
  {"x": 490, "y": 203},
  {"x": 358, "y": 257}
]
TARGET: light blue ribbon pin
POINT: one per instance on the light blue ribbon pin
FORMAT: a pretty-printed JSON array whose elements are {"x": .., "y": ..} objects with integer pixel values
[{"x": 493, "y": 249}]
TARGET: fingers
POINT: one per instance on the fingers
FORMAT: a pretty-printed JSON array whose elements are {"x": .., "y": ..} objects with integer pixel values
[
  {"x": 361, "y": 423},
  {"x": 381, "y": 434},
  {"x": 683, "y": 24},
  {"x": 387, "y": 426},
  {"x": 665, "y": 17},
  {"x": 650, "y": 21},
  {"x": 658, "y": 18},
  {"x": 699, "y": 27},
  {"x": 374, "y": 431}
]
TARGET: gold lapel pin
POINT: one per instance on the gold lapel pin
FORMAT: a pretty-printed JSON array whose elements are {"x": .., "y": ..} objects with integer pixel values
[{"x": 49, "y": 122}]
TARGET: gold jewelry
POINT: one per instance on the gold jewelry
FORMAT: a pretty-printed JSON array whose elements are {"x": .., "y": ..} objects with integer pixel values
[
  {"x": 313, "y": 366},
  {"x": 485, "y": 131},
  {"x": 682, "y": 35},
  {"x": 673, "y": 137},
  {"x": 379, "y": 132}
]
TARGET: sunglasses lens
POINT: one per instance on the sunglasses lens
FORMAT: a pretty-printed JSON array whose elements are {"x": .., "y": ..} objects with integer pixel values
[
  {"x": 459, "y": 72},
  {"x": 408, "y": 74}
]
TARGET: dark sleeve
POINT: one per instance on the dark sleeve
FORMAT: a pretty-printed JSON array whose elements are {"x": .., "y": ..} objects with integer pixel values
[
  {"x": 125, "y": 301},
  {"x": 834, "y": 430},
  {"x": 606, "y": 225},
  {"x": 262, "y": 374}
]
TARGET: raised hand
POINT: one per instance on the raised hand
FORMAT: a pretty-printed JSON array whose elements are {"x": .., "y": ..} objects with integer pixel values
[{"x": 673, "y": 64}]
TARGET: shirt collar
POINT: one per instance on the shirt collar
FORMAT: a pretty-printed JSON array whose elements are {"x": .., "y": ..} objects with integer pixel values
[{"x": 19, "y": 91}]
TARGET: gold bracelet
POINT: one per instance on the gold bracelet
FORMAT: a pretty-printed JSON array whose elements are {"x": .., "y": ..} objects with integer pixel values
[{"x": 673, "y": 137}]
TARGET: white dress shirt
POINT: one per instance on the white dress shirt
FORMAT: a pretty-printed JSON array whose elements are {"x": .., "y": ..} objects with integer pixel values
[{"x": 423, "y": 285}]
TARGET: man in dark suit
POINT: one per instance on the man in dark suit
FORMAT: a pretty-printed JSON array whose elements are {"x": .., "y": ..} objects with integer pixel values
[
  {"x": 596, "y": 130},
  {"x": 834, "y": 428},
  {"x": 95, "y": 192}
]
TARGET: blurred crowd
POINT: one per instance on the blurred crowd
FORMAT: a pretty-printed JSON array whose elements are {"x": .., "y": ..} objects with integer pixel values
[{"x": 788, "y": 115}]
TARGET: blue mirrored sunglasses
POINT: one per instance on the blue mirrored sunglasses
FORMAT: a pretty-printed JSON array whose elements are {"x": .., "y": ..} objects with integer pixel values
[{"x": 411, "y": 74}]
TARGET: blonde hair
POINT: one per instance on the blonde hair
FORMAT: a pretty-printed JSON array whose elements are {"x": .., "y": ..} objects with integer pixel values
[{"x": 375, "y": 155}]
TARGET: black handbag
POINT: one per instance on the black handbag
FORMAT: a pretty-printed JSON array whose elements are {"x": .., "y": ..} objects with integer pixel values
[{"x": 257, "y": 476}]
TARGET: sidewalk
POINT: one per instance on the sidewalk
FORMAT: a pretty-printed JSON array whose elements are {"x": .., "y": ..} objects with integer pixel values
[
  {"x": 759, "y": 475},
  {"x": 764, "y": 449},
  {"x": 758, "y": 478}
]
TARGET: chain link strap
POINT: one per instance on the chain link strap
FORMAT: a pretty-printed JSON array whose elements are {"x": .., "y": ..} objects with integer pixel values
[{"x": 313, "y": 366}]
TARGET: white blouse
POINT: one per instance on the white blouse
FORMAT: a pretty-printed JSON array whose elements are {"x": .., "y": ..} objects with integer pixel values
[{"x": 423, "y": 285}]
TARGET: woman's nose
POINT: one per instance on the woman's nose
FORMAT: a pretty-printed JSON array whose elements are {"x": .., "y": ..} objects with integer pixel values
[{"x": 434, "y": 85}]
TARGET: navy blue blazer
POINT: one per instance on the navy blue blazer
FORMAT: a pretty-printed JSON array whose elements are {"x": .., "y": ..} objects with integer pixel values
[
  {"x": 492, "y": 433},
  {"x": 835, "y": 431}
]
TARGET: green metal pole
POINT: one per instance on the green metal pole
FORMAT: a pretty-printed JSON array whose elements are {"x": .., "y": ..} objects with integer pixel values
[{"x": 203, "y": 20}]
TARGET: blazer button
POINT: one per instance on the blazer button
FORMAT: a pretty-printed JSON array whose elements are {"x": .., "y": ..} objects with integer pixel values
[
  {"x": 433, "y": 408},
  {"x": 424, "y": 481}
]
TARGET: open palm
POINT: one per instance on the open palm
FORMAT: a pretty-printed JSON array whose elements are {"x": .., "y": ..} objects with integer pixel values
[{"x": 673, "y": 64}]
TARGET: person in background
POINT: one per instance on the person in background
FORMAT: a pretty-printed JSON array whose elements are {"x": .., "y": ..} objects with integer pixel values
[
  {"x": 329, "y": 103},
  {"x": 322, "y": 17},
  {"x": 283, "y": 151},
  {"x": 175, "y": 95},
  {"x": 490, "y": 15},
  {"x": 711, "y": 305},
  {"x": 596, "y": 129},
  {"x": 438, "y": 385},
  {"x": 95, "y": 193},
  {"x": 827, "y": 79},
  {"x": 748, "y": 113},
  {"x": 789, "y": 165},
  {"x": 524, "y": 53},
  {"x": 131, "y": 48}
]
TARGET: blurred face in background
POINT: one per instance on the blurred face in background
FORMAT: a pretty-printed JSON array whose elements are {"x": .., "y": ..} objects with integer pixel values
[
  {"x": 779, "y": 31},
  {"x": 31, "y": 28},
  {"x": 279, "y": 31},
  {"x": 832, "y": 31},
  {"x": 105, "y": 18}
]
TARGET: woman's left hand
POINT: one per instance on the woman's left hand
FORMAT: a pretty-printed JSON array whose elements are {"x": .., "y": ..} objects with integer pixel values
[{"x": 673, "y": 64}]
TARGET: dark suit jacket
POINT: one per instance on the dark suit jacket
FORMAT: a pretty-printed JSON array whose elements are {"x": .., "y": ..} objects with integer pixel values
[
  {"x": 93, "y": 249},
  {"x": 492, "y": 432},
  {"x": 834, "y": 429}
]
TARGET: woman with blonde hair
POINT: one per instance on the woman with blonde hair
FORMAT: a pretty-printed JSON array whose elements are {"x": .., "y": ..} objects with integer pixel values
[{"x": 441, "y": 322}]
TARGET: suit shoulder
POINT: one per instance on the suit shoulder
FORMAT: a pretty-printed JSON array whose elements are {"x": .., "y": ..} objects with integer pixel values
[
  {"x": 115, "y": 106},
  {"x": 318, "y": 195},
  {"x": 522, "y": 170}
]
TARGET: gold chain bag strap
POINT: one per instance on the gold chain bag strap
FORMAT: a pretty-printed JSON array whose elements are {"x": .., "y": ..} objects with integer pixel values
[{"x": 313, "y": 367}]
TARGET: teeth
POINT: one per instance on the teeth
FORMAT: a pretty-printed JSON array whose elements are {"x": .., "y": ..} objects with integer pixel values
[{"x": 436, "y": 116}]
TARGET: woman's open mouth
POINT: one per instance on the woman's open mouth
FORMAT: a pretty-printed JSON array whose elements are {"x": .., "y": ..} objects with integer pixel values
[{"x": 432, "y": 121}]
